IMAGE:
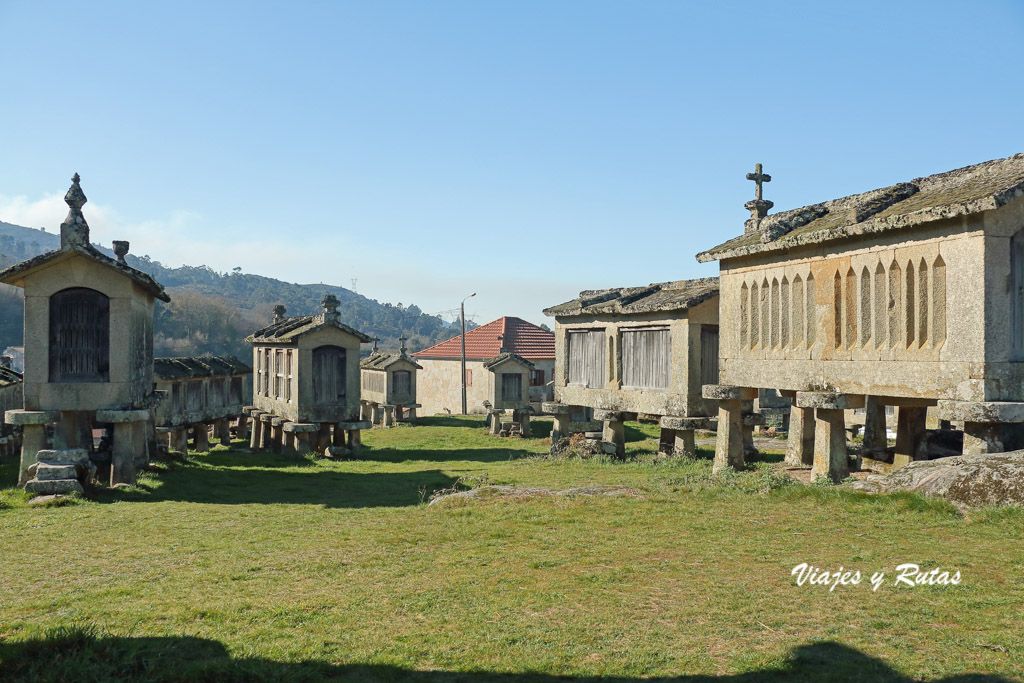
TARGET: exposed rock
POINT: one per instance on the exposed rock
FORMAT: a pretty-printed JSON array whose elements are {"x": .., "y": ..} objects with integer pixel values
[{"x": 966, "y": 481}]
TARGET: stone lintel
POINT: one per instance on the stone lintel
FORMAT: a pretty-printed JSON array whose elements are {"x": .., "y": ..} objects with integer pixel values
[
  {"x": 979, "y": 411},
  {"x": 828, "y": 400},
  {"x": 553, "y": 408},
  {"x": 359, "y": 424},
  {"x": 301, "y": 427},
  {"x": 248, "y": 409},
  {"x": 726, "y": 392},
  {"x": 122, "y": 416},
  {"x": 31, "y": 417},
  {"x": 277, "y": 422},
  {"x": 266, "y": 417},
  {"x": 683, "y": 423}
]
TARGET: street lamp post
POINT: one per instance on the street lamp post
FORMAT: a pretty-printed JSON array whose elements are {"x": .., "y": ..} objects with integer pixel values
[{"x": 462, "y": 312}]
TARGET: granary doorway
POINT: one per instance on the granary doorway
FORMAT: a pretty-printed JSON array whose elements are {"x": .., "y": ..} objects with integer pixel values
[
  {"x": 79, "y": 336},
  {"x": 329, "y": 375}
]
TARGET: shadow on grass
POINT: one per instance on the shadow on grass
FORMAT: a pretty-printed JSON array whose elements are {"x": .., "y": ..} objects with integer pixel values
[
  {"x": 470, "y": 421},
  {"x": 500, "y": 453},
  {"x": 82, "y": 655}
]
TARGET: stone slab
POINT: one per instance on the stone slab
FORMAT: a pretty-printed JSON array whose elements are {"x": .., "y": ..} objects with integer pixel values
[
  {"x": 48, "y": 471},
  {"x": 613, "y": 415},
  {"x": 31, "y": 417},
  {"x": 49, "y": 487},
  {"x": 980, "y": 411},
  {"x": 553, "y": 408},
  {"x": 683, "y": 423},
  {"x": 725, "y": 392},
  {"x": 277, "y": 422},
  {"x": 827, "y": 400},
  {"x": 68, "y": 456},
  {"x": 122, "y": 416},
  {"x": 362, "y": 424},
  {"x": 301, "y": 427}
]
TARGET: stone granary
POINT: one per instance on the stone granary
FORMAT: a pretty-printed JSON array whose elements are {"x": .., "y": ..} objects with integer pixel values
[
  {"x": 10, "y": 399},
  {"x": 201, "y": 393},
  {"x": 88, "y": 356},
  {"x": 638, "y": 351},
  {"x": 440, "y": 383},
  {"x": 911, "y": 295},
  {"x": 388, "y": 386},
  {"x": 306, "y": 382}
]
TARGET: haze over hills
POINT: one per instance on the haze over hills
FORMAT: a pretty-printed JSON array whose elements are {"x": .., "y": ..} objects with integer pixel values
[{"x": 212, "y": 312}]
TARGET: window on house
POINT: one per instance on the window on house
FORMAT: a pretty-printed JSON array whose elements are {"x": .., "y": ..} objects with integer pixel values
[
  {"x": 646, "y": 358},
  {"x": 511, "y": 386},
  {"x": 401, "y": 382},
  {"x": 587, "y": 365},
  {"x": 469, "y": 378},
  {"x": 79, "y": 336},
  {"x": 537, "y": 378},
  {"x": 329, "y": 375}
]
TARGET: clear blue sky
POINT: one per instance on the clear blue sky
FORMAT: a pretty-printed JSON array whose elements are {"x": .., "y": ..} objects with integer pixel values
[{"x": 523, "y": 150}]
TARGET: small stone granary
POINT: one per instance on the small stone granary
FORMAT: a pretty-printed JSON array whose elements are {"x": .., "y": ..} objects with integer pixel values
[
  {"x": 88, "y": 357},
  {"x": 507, "y": 380},
  {"x": 201, "y": 393},
  {"x": 638, "y": 351},
  {"x": 10, "y": 399},
  {"x": 388, "y": 386},
  {"x": 306, "y": 383},
  {"x": 911, "y": 296}
]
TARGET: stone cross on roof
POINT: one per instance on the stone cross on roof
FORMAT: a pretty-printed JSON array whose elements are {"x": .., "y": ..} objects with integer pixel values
[
  {"x": 759, "y": 206},
  {"x": 74, "y": 231},
  {"x": 279, "y": 311},
  {"x": 330, "y": 304},
  {"x": 402, "y": 340},
  {"x": 501, "y": 341},
  {"x": 375, "y": 340}
]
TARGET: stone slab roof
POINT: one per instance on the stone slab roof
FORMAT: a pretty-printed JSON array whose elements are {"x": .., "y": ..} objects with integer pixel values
[
  {"x": 18, "y": 271},
  {"x": 381, "y": 360},
  {"x": 502, "y": 357},
  {"x": 655, "y": 298},
  {"x": 288, "y": 330},
  {"x": 960, "y": 192},
  {"x": 9, "y": 377},
  {"x": 198, "y": 366},
  {"x": 520, "y": 337}
]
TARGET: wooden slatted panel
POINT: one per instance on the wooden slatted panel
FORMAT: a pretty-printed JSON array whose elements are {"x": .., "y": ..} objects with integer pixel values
[
  {"x": 329, "y": 375},
  {"x": 236, "y": 391},
  {"x": 647, "y": 358},
  {"x": 216, "y": 392},
  {"x": 708, "y": 354},
  {"x": 587, "y": 358},
  {"x": 511, "y": 386},
  {"x": 194, "y": 395},
  {"x": 401, "y": 382},
  {"x": 79, "y": 336}
]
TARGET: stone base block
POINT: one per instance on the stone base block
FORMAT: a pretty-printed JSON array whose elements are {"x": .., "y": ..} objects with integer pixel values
[
  {"x": 45, "y": 471},
  {"x": 725, "y": 392},
  {"x": 70, "y": 456},
  {"x": 49, "y": 487}
]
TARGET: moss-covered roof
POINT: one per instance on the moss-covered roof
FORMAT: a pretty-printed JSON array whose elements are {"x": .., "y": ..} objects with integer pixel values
[
  {"x": 506, "y": 356},
  {"x": 663, "y": 296},
  {"x": 198, "y": 366},
  {"x": 960, "y": 192},
  {"x": 288, "y": 330},
  {"x": 9, "y": 377},
  {"x": 381, "y": 360}
]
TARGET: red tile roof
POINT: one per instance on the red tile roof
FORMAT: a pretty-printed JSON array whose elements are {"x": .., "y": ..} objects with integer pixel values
[{"x": 521, "y": 338}]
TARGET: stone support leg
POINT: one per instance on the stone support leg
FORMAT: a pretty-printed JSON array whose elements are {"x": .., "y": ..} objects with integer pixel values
[
  {"x": 33, "y": 440},
  {"x": 495, "y": 423},
  {"x": 875, "y": 430},
  {"x": 289, "y": 442},
  {"x": 389, "y": 416},
  {"x": 338, "y": 436},
  {"x": 524, "y": 424},
  {"x": 375, "y": 413},
  {"x": 729, "y": 442},
  {"x": 559, "y": 430},
  {"x": 242, "y": 430},
  {"x": 667, "y": 441},
  {"x": 323, "y": 440},
  {"x": 910, "y": 431},
  {"x": 355, "y": 441},
  {"x": 786, "y": 420},
  {"x": 684, "y": 443},
  {"x": 276, "y": 436},
  {"x": 983, "y": 437},
  {"x": 140, "y": 444},
  {"x": 302, "y": 446},
  {"x": 830, "y": 457},
  {"x": 222, "y": 432},
  {"x": 122, "y": 459},
  {"x": 614, "y": 432},
  {"x": 800, "y": 442},
  {"x": 200, "y": 438},
  {"x": 266, "y": 432}
]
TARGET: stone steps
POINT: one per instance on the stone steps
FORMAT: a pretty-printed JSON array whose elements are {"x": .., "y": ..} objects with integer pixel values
[{"x": 57, "y": 472}]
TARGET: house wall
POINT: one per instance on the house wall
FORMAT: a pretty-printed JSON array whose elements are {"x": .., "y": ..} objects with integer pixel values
[
  {"x": 880, "y": 327},
  {"x": 131, "y": 338},
  {"x": 543, "y": 393},
  {"x": 683, "y": 396},
  {"x": 439, "y": 387}
]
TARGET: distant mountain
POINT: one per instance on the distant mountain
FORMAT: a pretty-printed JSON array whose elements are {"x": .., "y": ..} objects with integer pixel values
[{"x": 212, "y": 312}]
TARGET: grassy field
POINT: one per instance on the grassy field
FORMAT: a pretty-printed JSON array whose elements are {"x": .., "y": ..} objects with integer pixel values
[{"x": 249, "y": 566}]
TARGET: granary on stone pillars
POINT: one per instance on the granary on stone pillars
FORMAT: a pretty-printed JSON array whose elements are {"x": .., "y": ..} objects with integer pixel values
[
  {"x": 910, "y": 295},
  {"x": 306, "y": 382},
  {"x": 637, "y": 351},
  {"x": 508, "y": 376},
  {"x": 88, "y": 357},
  {"x": 10, "y": 399},
  {"x": 440, "y": 380},
  {"x": 201, "y": 394},
  {"x": 388, "y": 386}
]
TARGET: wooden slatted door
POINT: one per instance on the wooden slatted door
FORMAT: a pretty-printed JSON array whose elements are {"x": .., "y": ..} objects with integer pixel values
[
  {"x": 401, "y": 382},
  {"x": 708, "y": 354},
  {"x": 511, "y": 386},
  {"x": 79, "y": 336},
  {"x": 646, "y": 358},
  {"x": 329, "y": 375},
  {"x": 587, "y": 364}
]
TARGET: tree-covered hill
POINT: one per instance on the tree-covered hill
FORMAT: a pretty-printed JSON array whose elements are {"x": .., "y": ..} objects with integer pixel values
[{"x": 212, "y": 312}]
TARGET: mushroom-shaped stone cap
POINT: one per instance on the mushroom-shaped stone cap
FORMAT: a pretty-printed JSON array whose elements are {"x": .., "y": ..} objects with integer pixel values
[
  {"x": 75, "y": 198},
  {"x": 330, "y": 303},
  {"x": 120, "y": 249}
]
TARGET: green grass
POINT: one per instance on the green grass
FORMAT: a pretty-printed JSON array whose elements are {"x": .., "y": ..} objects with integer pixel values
[{"x": 250, "y": 566}]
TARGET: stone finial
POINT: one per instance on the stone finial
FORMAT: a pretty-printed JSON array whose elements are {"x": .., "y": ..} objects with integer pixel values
[
  {"x": 375, "y": 340},
  {"x": 330, "y": 304},
  {"x": 120, "y": 249},
  {"x": 74, "y": 231},
  {"x": 402, "y": 340},
  {"x": 759, "y": 206},
  {"x": 279, "y": 312}
]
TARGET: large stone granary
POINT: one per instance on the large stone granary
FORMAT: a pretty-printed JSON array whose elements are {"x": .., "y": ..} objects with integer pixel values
[
  {"x": 88, "y": 356},
  {"x": 637, "y": 351},
  {"x": 306, "y": 382},
  {"x": 910, "y": 295}
]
